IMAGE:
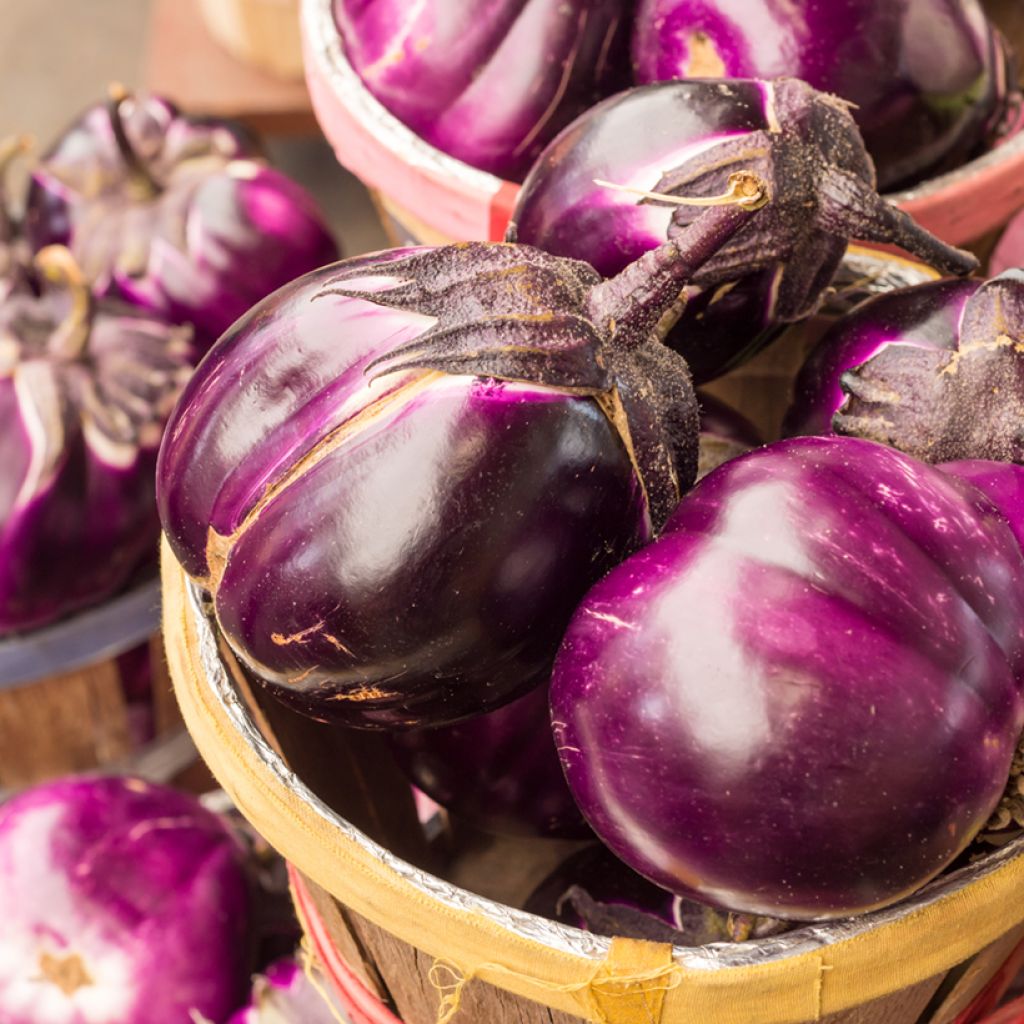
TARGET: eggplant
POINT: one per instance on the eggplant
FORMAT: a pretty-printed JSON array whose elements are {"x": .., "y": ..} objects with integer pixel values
[
  {"x": 934, "y": 370},
  {"x": 928, "y": 81},
  {"x": 499, "y": 772},
  {"x": 594, "y": 891},
  {"x": 124, "y": 903},
  {"x": 1001, "y": 482},
  {"x": 397, "y": 476},
  {"x": 284, "y": 994},
  {"x": 672, "y": 147},
  {"x": 175, "y": 214},
  {"x": 86, "y": 386},
  {"x": 803, "y": 699},
  {"x": 488, "y": 83}
]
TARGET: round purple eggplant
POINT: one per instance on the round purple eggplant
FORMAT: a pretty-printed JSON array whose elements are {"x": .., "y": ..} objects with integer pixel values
[
  {"x": 174, "y": 214},
  {"x": 724, "y": 434},
  {"x": 681, "y": 140},
  {"x": 488, "y": 83},
  {"x": 284, "y": 994},
  {"x": 399, "y": 475},
  {"x": 594, "y": 891},
  {"x": 500, "y": 771},
  {"x": 124, "y": 903},
  {"x": 935, "y": 370},
  {"x": 732, "y": 704},
  {"x": 86, "y": 386},
  {"x": 927, "y": 80},
  {"x": 1001, "y": 482}
]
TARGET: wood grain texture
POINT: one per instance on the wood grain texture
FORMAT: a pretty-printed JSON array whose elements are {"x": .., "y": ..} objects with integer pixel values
[
  {"x": 981, "y": 969},
  {"x": 66, "y": 723},
  {"x": 903, "y": 1007}
]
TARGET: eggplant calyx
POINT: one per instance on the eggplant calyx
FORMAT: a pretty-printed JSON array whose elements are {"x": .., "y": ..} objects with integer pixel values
[
  {"x": 71, "y": 335},
  {"x": 141, "y": 182},
  {"x": 10, "y": 150},
  {"x": 946, "y": 404}
]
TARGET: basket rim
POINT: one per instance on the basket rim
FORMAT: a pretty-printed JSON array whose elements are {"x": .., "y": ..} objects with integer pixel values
[{"x": 946, "y": 922}]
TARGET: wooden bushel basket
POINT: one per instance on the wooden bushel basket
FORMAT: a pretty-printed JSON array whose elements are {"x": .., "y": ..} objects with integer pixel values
[
  {"x": 89, "y": 692},
  {"x": 456, "y": 949},
  {"x": 434, "y": 198},
  {"x": 263, "y": 33}
]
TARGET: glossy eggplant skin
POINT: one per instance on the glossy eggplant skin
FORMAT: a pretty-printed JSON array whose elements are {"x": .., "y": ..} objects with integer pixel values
[
  {"x": 84, "y": 396},
  {"x": 681, "y": 139},
  {"x": 932, "y": 370},
  {"x": 733, "y": 704},
  {"x": 388, "y": 552},
  {"x": 181, "y": 217},
  {"x": 123, "y": 901},
  {"x": 928, "y": 79},
  {"x": 499, "y": 772},
  {"x": 489, "y": 83},
  {"x": 1001, "y": 482}
]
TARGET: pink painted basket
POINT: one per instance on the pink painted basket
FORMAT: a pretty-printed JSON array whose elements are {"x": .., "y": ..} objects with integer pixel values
[{"x": 431, "y": 197}]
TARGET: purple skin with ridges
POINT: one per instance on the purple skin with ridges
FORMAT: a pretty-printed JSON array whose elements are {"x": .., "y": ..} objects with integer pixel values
[
  {"x": 933, "y": 370},
  {"x": 85, "y": 388},
  {"x": 174, "y": 214},
  {"x": 489, "y": 82},
  {"x": 683, "y": 139},
  {"x": 928, "y": 78},
  {"x": 1001, "y": 482},
  {"x": 124, "y": 903},
  {"x": 733, "y": 703},
  {"x": 399, "y": 475},
  {"x": 499, "y": 772}
]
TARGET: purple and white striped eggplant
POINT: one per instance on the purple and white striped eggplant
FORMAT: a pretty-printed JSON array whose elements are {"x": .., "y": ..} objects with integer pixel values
[
  {"x": 175, "y": 214},
  {"x": 680, "y": 141},
  {"x": 934, "y": 370},
  {"x": 86, "y": 386},
  {"x": 123, "y": 903},
  {"x": 284, "y": 994},
  {"x": 490, "y": 83},
  {"x": 927, "y": 80},
  {"x": 593, "y": 890},
  {"x": 398, "y": 476},
  {"x": 1001, "y": 482},
  {"x": 808, "y": 607},
  {"x": 499, "y": 772}
]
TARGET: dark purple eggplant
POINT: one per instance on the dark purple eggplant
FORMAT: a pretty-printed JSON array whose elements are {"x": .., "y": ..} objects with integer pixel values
[
  {"x": 936, "y": 370},
  {"x": 398, "y": 476},
  {"x": 86, "y": 386},
  {"x": 803, "y": 699},
  {"x": 724, "y": 434},
  {"x": 594, "y": 891},
  {"x": 927, "y": 80},
  {"x": 680, "y": 141},
  {"x": 177, "y": 215},
  {"x": 499, "y": 772},
  {"x": 490, "y": 83}
]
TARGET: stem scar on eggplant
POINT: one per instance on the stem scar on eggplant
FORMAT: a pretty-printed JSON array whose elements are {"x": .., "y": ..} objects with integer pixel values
[
  {"x": 68, "y": 973},
  {"x": 143, "y": 184}
]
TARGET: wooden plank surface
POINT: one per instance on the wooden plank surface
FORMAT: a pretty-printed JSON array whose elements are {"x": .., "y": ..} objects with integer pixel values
[{"x": 185, "y": 64}]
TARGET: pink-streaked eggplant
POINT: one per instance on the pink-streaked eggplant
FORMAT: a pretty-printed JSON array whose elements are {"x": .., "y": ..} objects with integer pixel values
[
  {"x": 927, "y": 80},
  {"x": 808, "y": 607},
  {"x": 680, "y": 141},
  {"x": 935, "y": 370},
  {"x": 123, "y": 903},
  {"x": 284, "y": 994},
  {"x": 86, "y": 386},
  {"x": 398, "y": 476},
  {"x": 724, "y": 434},
  {"x": 1001, "y": 482},
  {"x": 593, "y": 890},
  {"x": 488, "y": 83},
  {"x": 178, "y": 215},
  {"x": 499, "y": 772}
]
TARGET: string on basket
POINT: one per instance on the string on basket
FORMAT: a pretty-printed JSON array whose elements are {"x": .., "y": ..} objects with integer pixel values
[{"x": 311, "y": 968}]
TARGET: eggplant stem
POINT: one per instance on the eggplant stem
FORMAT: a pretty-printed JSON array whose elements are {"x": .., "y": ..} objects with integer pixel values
[
  {"x": 58, "y": 265},
  {"x": 746, "y": 190},
  {"x": 141, "y": 182}
]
